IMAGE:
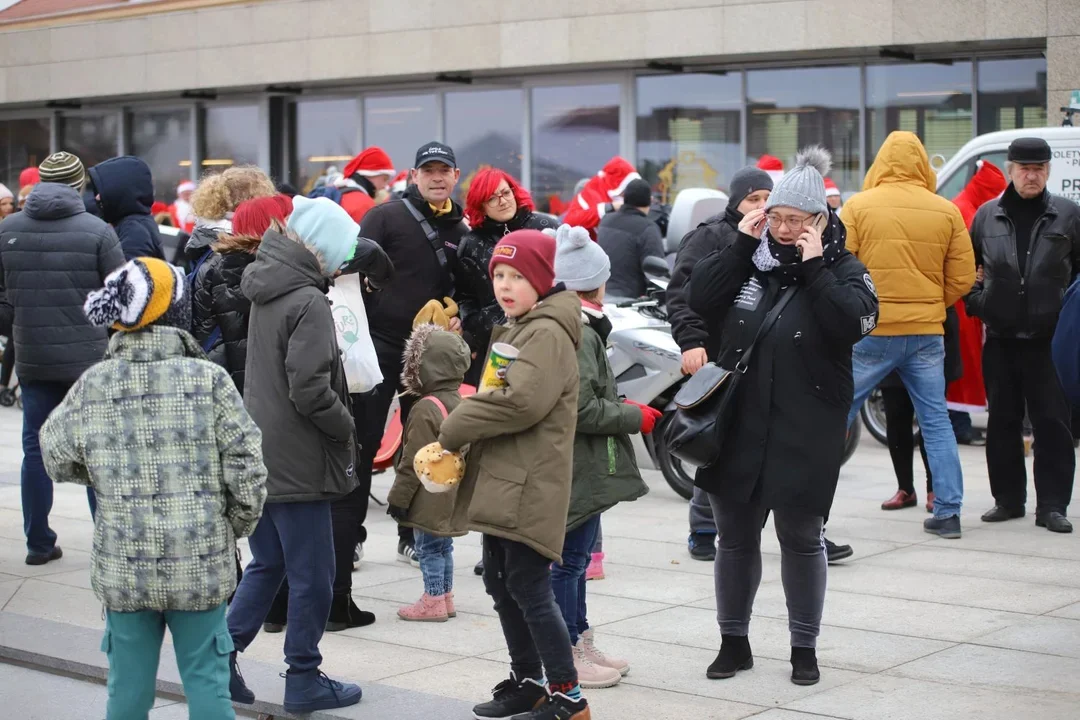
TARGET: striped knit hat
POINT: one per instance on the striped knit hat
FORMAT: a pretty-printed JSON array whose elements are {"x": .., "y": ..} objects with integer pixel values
[
  {"x": 63, "y": 168},
  {"x": 138, "y": 293}
]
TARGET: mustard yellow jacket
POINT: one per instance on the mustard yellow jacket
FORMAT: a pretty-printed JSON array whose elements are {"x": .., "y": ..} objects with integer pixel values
[{"x": 914, "y": 243}]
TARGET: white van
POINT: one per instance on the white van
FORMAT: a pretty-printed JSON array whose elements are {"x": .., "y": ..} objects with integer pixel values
[{"x": 954, "y": 174}]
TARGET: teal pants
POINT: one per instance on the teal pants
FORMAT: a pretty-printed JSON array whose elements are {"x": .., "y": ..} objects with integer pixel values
[{"x": 203, "y": 645}]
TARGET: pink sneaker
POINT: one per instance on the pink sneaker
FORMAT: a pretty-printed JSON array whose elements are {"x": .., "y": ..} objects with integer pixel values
[
  {"x": 595, "y": 571},
  {"x": 426, "y": 609},
  {"x": 451, "y": 611},
  {"x": 598, "y": 657}
]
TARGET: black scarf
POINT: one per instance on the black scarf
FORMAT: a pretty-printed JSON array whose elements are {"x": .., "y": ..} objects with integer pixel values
[
  {"x": 598, "y": 321},
  {"x": 787, "y": 265}
]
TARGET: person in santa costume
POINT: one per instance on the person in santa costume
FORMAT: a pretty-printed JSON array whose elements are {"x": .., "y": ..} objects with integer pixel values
[
  {"x": 590, "y": 204},
  {"x": 832, "y": 194},
  {"x": 183, "y": 216},
  {"x": 363, "y": 178},
  {"x": 773, "y": 166}
]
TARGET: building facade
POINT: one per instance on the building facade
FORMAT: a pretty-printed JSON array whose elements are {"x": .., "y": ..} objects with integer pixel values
[{"x": 688, "y": 90}]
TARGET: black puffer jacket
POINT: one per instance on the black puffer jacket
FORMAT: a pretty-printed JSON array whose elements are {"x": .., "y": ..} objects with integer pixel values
[
  {"x": 220, "y": 309},
  {"x": 52, "y": 254},
  {"x": 126, "y": 189},
  {"x": 1027, "y": 306},
  {"x": 473, "y": 291},
  {"x": 628, "y": 236}
]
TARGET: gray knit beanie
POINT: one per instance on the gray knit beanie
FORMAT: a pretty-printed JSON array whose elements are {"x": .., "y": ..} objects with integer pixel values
[
  {"x": 580, "y": 264},
  {"x": 803, "y": 187}
]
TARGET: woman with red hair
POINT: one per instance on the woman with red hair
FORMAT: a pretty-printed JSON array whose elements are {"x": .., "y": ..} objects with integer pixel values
[{"x": 495, "y": 205}]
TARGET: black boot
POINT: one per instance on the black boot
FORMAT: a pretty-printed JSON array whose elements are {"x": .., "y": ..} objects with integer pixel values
[
  {"x": 804, "y": 669},
  {"x": 238, "y": 689},
  {"x": 735, "y": 655},
  {"x": 344, "y": 615}
]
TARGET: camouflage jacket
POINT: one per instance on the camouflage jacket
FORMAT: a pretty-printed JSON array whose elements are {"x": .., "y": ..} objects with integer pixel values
[{"x": 161, "y": 435}]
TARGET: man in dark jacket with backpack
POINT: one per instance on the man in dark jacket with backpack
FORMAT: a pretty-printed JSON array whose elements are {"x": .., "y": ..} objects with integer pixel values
[
  {"x": 124, "y": 189},
  {"x": 420, "y": 233},
  {"x": 628, "y": 236}
]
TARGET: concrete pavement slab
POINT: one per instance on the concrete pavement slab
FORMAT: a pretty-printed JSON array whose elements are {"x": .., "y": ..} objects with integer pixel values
[{"x": 1046, "y": 635}]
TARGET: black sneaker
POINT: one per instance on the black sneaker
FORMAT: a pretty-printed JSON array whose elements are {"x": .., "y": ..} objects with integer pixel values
[
  {"x": 478, "y": 569},
  {"x": 406, "y": 553},
  {"x": 34, "y": 558},
  {"x": 948, "y": 528},
  {"x": 702, "y": 546},
  {"x": 835, "y": 552},
  {"x": 510, "y": 698},
  {"x": 558, "y": 707}
]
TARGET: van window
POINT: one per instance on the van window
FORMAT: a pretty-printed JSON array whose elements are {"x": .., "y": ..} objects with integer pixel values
[{"x": 956, "y": 182}]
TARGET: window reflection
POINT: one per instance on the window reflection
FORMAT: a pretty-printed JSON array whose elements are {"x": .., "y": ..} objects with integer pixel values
[
  {"x": 231, "y": 137},
  {"x": 1012, "y": 94},
  {"x": 162, "y": 138},
  {"x": 23, "y": 143},
  {"x": 93, "y": 138},
  {"x": 575, "y": 130},
  {"x": 790, "y": 109},
  {"x": 400, "y": 124},
  {"x": 484, "y": 128},
  {"x": 688, "y": 131},
  {"x": 929, "y": 99},
  {"x": 327, "y": 133}
]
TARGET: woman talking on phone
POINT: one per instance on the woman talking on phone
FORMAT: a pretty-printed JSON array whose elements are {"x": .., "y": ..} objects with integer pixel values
[{"x": 786, "y": 272}]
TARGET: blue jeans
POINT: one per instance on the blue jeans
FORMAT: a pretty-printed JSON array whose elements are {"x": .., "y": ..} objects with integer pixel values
[
  {"x": 436, "y": 557},
  {"x": 568, "y": 579},
  {"x": 40, "y": 399},
  {"x": 293, "y": 540},
  {"x": 920, "y": 361}
]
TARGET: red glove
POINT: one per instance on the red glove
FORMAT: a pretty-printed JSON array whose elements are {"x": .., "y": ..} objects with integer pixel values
[{"x": 649, "y": 416}]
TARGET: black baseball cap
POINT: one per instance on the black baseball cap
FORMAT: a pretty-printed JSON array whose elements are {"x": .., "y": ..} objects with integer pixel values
[
  {"x": 1029, "y": 151},
  {"x": 435, "y": 152}
]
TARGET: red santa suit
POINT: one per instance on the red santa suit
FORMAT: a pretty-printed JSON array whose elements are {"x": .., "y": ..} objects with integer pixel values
[
  {"x": 357, "y": 198},
  {"x": 968, "y": 394},
  {"x": 590, "y": 204},
  {"x": 183, "y": 216}
]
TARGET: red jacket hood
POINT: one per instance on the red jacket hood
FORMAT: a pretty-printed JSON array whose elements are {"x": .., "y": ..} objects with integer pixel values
[{"x": 987, "y": 183}]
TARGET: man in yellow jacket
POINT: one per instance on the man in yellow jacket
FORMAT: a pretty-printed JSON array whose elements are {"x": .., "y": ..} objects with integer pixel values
[{"x": 916, "y": 246}]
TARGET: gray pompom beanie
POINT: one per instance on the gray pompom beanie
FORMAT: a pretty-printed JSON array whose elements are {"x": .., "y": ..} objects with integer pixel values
[
  {"x": 803, "y": 187},
  {"x": 580, "y": 264}
]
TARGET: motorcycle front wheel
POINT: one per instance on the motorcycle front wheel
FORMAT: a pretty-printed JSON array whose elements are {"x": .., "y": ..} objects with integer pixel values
[
  {"x": 679, "y": 476},
  {"x": 873, "y": 416}
]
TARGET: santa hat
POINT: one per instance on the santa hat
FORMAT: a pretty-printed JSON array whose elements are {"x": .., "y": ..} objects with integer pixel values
[
  {"x": 29, "y": 176},
  {"x": 771, "y": 165},
  {"x": 400, "y": 181},
  {"x": 186, "y": 186},
  {"x": 372, "y": 161},
  {"x": 831, "y": 189},
  {"x": 617, "y": 174}
]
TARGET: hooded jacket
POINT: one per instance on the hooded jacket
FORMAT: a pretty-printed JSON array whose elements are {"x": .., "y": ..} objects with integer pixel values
[
  {"x": 987, "y": 183},
  {"x": 521, "y": 437},
  {"x": 435, "y": 362},
  {"x": 914, "y": 243},
  {"x": 294, "y": 383},
  {"x": 168, "y": 511},
  {"x": 52, "y": 255},
  {"x": 126, "y": 189},
  {"x": 628, "y": 236}
]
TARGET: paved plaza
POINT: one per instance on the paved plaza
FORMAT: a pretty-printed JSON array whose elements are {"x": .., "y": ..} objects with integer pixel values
[{"x": 986, "y": 627}]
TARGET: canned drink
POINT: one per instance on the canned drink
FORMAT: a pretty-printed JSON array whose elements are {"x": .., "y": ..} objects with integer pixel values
[{"x": 499, "y": 360}]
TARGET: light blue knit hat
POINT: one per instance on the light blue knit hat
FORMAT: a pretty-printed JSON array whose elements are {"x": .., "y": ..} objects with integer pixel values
[
  {"x": 803, "y": 187},
  {"x": 326, "y": 229}
]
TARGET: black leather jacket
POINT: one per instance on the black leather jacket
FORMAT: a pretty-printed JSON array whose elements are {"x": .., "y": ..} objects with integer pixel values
[{"x": 1024, "y": 306}]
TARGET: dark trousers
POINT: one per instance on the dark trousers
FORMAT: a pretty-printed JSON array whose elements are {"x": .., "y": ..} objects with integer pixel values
[
  {"x": 7, "y": 365},
  {"x": 292, "y": 540},
  {"x": 40, "y": 399},
  {"x": 899, "y": 420},
  {"x": 518, "y": 579},
  {"x": 1018, "y": 372},
  {"x": 568, "y": 579}
]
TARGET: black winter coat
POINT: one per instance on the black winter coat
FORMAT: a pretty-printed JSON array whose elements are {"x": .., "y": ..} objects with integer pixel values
[
  {"x": 787, "y": 440},
  {"x": 52, "y": 255},
  {"x": 126, "y": 189},
  {"x": 473, "y": 290},
  {"x": 419, "y": 277},
  {"x": 1024, "y": 307},
  {"x": 628, "y": 237},
  {"x": 687, "y": 327}
]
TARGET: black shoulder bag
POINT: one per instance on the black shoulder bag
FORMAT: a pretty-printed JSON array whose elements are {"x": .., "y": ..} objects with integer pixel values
[{"x": 705, "y": 405}]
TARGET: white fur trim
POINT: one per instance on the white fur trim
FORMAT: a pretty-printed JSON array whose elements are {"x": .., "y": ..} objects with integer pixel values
[
  {"x": 373, "y": 173},
  {"x": 622, "y": 186},
  {"x": 832, "y": 192},
  {"x": 581, "y": 201},
  {"x": 601, "y": 210}
]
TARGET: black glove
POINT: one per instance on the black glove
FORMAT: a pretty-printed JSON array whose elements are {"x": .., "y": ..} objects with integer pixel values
[
  {"x": 397, "y": 512},
  {"x": 372, "y": 262}
]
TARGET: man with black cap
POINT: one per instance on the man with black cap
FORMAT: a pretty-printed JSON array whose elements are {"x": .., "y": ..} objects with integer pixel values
[
  {"x": 1027, "y": 249},
  {"x": 628, "y": 236},
  {"x": 420, "y": 233}
]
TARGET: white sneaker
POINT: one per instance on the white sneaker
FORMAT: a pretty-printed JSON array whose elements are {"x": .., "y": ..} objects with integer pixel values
[
  {"x": 591, "y": 675},
  {"x": 357, "y": 556},
  {"x": 406, "y": 553},
  {"x": 599, "y": 658}
]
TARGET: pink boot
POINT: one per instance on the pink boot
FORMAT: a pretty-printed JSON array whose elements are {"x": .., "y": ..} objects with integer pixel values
[
  {"x": 595, "y": 571},
  {"x": 426, "y": 609},
  {"x": 451, "y": 611}
]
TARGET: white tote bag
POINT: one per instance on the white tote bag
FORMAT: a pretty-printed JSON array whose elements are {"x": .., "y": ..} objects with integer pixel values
[{"x": 358, "y": 353}]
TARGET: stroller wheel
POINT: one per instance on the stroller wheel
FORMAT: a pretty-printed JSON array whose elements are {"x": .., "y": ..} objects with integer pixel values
[{"x": 7, "y": 397}]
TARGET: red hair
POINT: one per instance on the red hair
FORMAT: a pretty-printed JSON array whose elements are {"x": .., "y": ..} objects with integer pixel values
[
  {"x": 484, "y": 185},
  {"x": 252, "y": 217}
]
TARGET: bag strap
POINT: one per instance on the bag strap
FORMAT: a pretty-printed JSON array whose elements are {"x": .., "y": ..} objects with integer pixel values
[
  {"x": 205, "y": 256},
  {"x": 766, "y": 325},
  {"x": 430, "y": 232},
  {"x": 438, "y": 404}
]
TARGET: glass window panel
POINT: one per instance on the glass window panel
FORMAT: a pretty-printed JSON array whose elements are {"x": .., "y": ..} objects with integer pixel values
[
  {"x": 400, "y": 124},
  {"x": 1012, "y": 94},
  {"x": 162, "y": 138},
  {"x": 929, "y": 99},
  {"x": 688, "y": 131},
  {"x": 484, "y": 128},
  {"x": 575, "y": 130},
  {"x": 790, "y": 109},
  {"x": 22, "y": 143},
  {"x": 326, "y": 135},
  {"x": 231, "y": 136},
  {"x": 92, "y": 137}
]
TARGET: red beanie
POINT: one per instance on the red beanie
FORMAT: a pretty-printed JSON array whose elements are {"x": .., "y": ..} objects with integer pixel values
[
  {"x": 531, "y": 253},
  {"x": 252, "y": 217},
  {"x": 29, "y": 176}
]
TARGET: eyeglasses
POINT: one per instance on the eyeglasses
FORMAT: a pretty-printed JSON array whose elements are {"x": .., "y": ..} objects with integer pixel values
[
  {"x": 499, "y": 197},
  {"x": 793, "y": 223}
]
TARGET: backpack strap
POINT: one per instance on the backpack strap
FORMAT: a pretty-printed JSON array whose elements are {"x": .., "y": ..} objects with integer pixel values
[
  {"x": 438, "y": 404},
  {"x": 430, "y": 232}
]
